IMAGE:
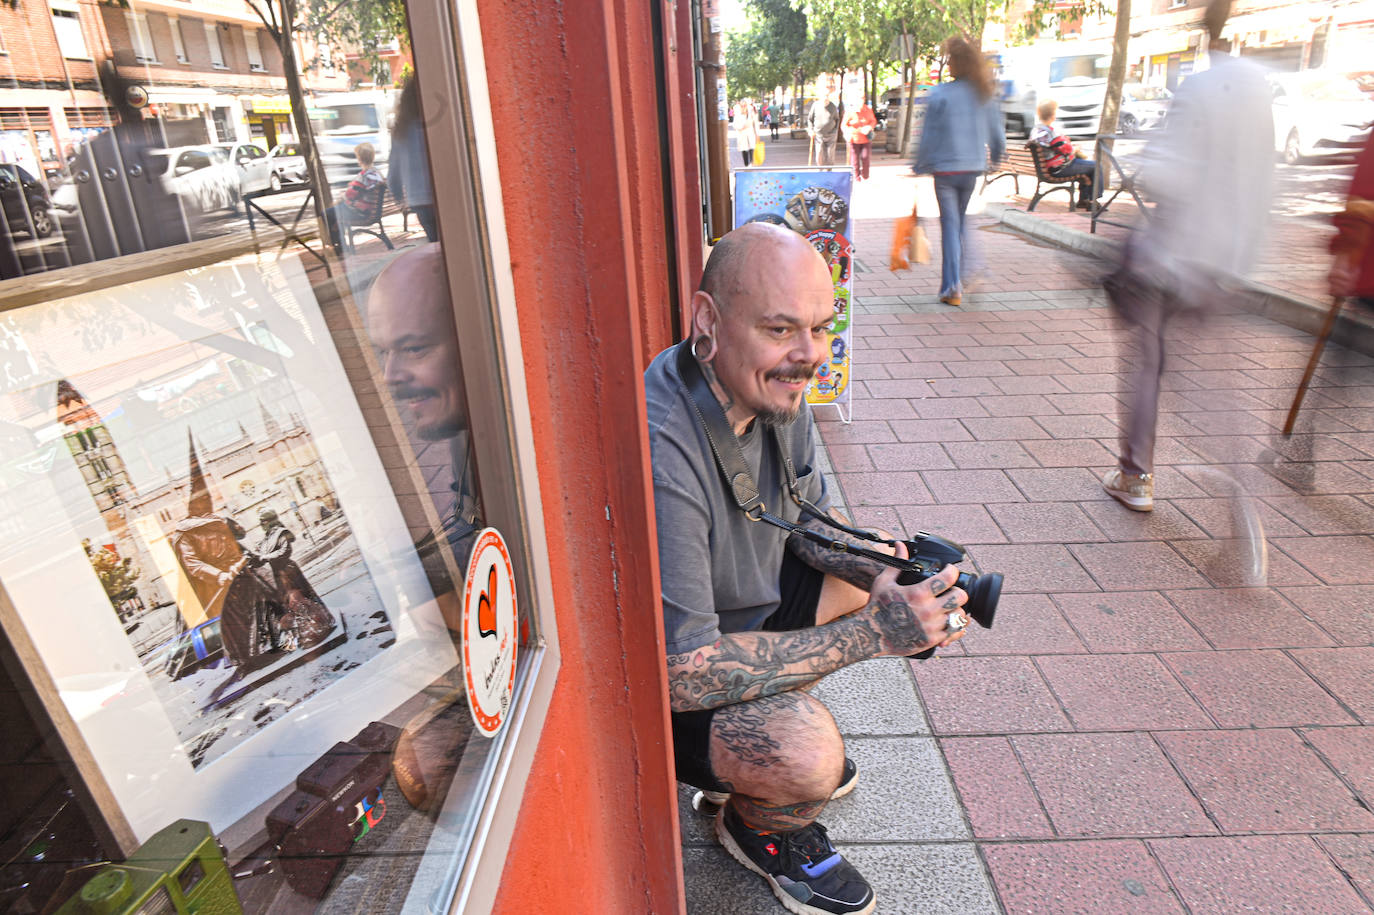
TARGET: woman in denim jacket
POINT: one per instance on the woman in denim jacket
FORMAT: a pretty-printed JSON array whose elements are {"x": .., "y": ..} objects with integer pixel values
[{"x": 963, "y": 124}]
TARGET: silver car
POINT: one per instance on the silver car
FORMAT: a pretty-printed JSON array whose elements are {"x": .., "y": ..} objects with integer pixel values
[
  {"x": 1318, "y": 112},
  {"x": 250, "y": 162},
  {"x": 287, "y": 166}
]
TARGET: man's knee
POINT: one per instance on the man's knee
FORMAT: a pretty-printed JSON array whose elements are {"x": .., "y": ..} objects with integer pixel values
[{"x": 782, "y": 749}]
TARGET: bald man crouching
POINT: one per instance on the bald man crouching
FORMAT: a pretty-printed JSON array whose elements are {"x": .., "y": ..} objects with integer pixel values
[{"x": 754, "y": 616}]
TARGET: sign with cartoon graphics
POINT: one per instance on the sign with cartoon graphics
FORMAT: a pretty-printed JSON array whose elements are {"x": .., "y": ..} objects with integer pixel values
[
  {"x": 815, "y": 203},
  {"x": 490, "y": 631}
]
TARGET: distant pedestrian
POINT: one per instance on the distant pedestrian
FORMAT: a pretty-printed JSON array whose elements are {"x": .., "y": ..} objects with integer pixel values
[
  {"x": 961, "y": 134},
  {"x": 746, "y": 130},
  {"x": 1060, "y": 157},
  {"x": 858, "y": 130},
  {"x": 769, "y": 121},
  {"x": 1210, "y": 170},
  {"x": 823, "y": 127}
]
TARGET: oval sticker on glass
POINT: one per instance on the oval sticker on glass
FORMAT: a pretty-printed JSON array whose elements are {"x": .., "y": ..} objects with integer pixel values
[{"x": 489, "y": 631}]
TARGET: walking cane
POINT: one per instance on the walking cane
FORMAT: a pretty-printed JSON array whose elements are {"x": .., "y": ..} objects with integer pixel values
[
  {"x": 1327, "y": 324},
  {"x": 810, "y": 150}
]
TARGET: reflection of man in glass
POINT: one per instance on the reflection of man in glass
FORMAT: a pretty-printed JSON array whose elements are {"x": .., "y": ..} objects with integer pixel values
[
  {"x": 411, "y": 323},
  {"x": 305, "y": 619}
]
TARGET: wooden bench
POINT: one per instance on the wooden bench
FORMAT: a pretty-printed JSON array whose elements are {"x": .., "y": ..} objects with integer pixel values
[{"x": 1027, "y": 160}]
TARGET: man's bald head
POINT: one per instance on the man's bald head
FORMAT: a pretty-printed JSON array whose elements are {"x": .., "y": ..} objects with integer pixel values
[
  {"x": 410, "y": 320},
  {"x": 755, "y": 252}
]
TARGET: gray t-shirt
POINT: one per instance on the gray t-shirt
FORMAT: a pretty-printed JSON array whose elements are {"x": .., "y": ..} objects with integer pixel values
[{"x": 719, "y": 570}]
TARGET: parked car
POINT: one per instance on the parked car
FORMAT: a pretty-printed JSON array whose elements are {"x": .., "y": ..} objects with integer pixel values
[
  {"x": 25, "y": 201},
  {"x": 287, "y": 166},
  {"x": 1318, "y": 113},
  {"x": 201, "y": 177},
  {"x": 250, "y": 162},
  {"x": 1142, "y": 108}
]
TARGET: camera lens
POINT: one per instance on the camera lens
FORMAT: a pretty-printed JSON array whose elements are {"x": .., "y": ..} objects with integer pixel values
[{"x": 983, "y": 592}]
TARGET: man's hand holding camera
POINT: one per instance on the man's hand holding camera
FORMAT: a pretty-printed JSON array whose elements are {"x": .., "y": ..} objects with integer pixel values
[{"x": 917, "y": 617}]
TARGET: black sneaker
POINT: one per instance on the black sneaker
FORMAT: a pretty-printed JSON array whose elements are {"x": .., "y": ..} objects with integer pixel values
[
  {"x": 807, "y": 874},
  {"x": 707, "y": 801}
]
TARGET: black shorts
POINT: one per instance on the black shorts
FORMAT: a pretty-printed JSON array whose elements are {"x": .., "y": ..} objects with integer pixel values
[{"x": 800, "y": 594}]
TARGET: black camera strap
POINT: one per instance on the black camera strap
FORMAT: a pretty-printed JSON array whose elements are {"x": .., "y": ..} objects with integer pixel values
[{"x": 740, "y": 482}]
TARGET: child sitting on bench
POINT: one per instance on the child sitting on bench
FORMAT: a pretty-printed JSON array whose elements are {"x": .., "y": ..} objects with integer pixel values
[{"x": 1061, "y": 160}]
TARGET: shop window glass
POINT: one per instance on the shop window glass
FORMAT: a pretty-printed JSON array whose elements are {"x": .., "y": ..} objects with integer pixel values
[{"x": 245, "y": 507}]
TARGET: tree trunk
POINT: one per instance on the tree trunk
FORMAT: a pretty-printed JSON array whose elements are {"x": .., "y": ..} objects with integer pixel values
[
  {"x": 287, "y": 45},
  {"x": 1116, "y": 76}
]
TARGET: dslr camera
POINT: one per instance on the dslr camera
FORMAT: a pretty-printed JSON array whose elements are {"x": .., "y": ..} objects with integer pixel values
[{"x": 927, "y": 555}]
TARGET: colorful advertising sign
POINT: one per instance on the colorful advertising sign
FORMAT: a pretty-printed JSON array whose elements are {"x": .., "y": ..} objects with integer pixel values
[{"x": 815, "y": 203}]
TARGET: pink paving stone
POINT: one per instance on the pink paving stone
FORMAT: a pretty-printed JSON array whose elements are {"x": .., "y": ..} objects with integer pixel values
[
  {"x": 1218, "y": 518},
  {"x": 1264, "y": 781},
  {"x": 1128, "y": 621},
  {"x": 960, "y": 486},
  {"x": 972, "y": 386},
  {"x": 1058, "y": 484},
  {"x": 1079, "y": 878},
  {"x": 1260, "y": 874},
  {"x": 1045, "y": 522},
  {"x": 1070, "y": 452},
  {"x": 1255, "y": 689},
  {"x": 1015, "y": 405},
  {"x": 1025, "y": 624},
  {"x": 1335, "y": 560},
  {"x": 996, "y": 794},
  {"x": 960, "y": 523},
  {"x": 884, "y": 488},
  {"x": 996, "y": 454},
  {"x": 859, "y": 432},
  {"x": 878, "y": 389},
  {"x": 1345, "y": 612},
  {"x": 1046, "y": 567},
  {"x": 872, "y": 409},
  {"x": 907, "y": 456},
  {"x": 1164, "y": 523},
  {"x": 1136, "y": 566},
  {"x": 1096, "y": 424},
  {"x": 850, "y": 457},
  {"x": 995, "y": 428},
  {"x": 1133, "y": 692},
  {"x": 1109, "y": 785},
  {"x": 1247, "y": 618},
  {"x": 986, "y": 696},
  {"x": 1028, "y": 384},
  {"x": 948, "y": 407},
  {"x": 1347, "y": 672},
  {"x": 928, "y": 430},
  {"x": 1354, "y": 855},
  {"x": 1243, "y": 563},
  {"x": 1348, "y": 751}
]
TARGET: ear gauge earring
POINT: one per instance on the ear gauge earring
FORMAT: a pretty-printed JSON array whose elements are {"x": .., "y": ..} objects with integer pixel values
[{"x": 710, "y": 342}]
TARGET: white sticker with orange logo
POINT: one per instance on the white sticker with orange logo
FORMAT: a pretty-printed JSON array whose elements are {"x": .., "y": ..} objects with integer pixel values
[{"x": 490, "y": 630}]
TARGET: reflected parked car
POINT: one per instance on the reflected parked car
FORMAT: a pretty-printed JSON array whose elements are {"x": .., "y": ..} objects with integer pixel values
[
  {"x": 287, "y": 165},
  {"x": 201, "y": 177},
  {"x": 1142, "y": 108},
  {"x": 250, "y": 162},
  {"x": 25, "y": 202},
  {"x": 1318, "y": 113}
]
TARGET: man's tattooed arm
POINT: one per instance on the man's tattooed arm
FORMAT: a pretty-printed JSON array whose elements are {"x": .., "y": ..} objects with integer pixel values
[
  {"x": 856, "y": 570},
  {"x": 749, "y": 665}
]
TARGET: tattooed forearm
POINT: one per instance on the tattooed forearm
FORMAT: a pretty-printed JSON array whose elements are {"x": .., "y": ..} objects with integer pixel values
[
  {"x": 749, "y": 665},
  {"x": 856, "y": 570}
]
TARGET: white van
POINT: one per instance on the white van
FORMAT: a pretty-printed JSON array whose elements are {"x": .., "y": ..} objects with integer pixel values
[
  {"x": 1073, "y": 73},
  {"x": 342, "y": 120}
]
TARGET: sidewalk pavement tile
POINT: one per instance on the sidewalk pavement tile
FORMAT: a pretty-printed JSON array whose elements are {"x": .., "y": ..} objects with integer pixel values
[
  {"x": 1348, "y": 752},
  {"x": 884, "y": 488},
  {"x": 1241, "y": 564},
  {"x": 1085, "y": 416},
  {"x": 1165, "y": 523},
  {"x": 1354, "y": 855},
  {"x": 1134, "y": 566},
  {"x": 850, "y": 457},
  {"x": 988, "y": 454},
  {"x": 1004, "y": 428},
  {"x": 1217, "y": 517},
  {"x": 1222, "y": 875},
  {"x": 1058, "y": 484},
  {"x": 1045, "y": 522},
  {"x": 908, "y": 389},
  {"x": 1255, "y": 689},
  {"x": 1126, "y": 621},
  {"x": 1345, "y": 612},
  {"x": 1347, "y": 672},
  {"x": 1080, "y": 878},
  {"x": 1246, "y": 618},
  {"x": 1335, "y": 560},
  {"x": 928, "y": 430},
  {"x": 994, "y": 789},
  {"x": 949, "y": 407},
  {"x": 964, "y": 386},
  {"x": 1071, "y": 452},
  {"x": 958, "y": 486},
  {"x": 930, "y": 879},
  {"x": 1264, "y": 781},
  {"x": 914, "y": 456},
  {"x": 960, "y": 523},
  {"x": 1026, "y": 624},
  {"x": 858, "y": 432},
  {"x": 1130, "y": 692},
  {"x": 1047, "y": 567},
  {"x": 877, "y": 697},
  {"x": 1026, "y": 383},
  {"x": 1096, "y": 785},
  {"x": 986, "y": 696},
  {"x": 1014, "y": 405},
  {"x": 903, "y": 794},
  {"x": 887, "y": 408}
]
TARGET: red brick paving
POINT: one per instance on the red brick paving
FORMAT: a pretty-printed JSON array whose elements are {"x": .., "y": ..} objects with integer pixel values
[{"x": 1149, "y": 728}]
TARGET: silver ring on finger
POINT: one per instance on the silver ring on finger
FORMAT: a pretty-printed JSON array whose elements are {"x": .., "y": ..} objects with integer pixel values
[{"x": 955, "y": 622}]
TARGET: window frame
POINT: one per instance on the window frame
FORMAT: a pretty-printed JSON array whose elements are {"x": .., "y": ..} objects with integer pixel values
[
  {"x": 141, "y": 37},
  {"x": 214, "y": 45},
  {"x": 253, "y": 48},
  {"x": 60, "y": 11},
  {"x": 178, "y": 40}
]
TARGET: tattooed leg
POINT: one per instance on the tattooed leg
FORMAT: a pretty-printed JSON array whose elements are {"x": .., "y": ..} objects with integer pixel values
[{"x": 777, "y": 755}]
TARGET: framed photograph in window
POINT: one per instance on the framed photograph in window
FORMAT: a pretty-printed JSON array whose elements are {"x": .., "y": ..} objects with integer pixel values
[{"x": 239, "y": 588}]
